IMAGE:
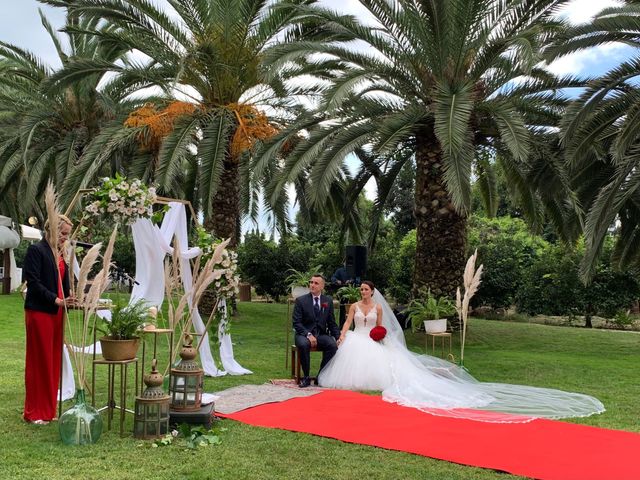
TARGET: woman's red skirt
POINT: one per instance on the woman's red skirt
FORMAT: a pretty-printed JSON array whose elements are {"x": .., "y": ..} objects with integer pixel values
[{"x": 43, "y": 363}]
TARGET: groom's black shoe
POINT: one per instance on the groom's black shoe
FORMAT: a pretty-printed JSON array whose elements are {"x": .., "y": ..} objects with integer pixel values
[
  {"x": 315, "y": 381},
  {"x": 305, "y": 382}
]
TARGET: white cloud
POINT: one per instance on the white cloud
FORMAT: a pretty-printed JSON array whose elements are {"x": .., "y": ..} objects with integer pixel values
[
  {"x": 581, "y": 11},
  {"x": 590, "y": 62}
]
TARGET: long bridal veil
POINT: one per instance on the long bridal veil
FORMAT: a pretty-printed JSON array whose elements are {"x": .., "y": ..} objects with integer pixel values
[{"x": 442, "y": 388}]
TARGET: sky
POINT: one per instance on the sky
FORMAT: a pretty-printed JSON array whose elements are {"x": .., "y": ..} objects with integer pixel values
[{"x": 20, "y": 25}]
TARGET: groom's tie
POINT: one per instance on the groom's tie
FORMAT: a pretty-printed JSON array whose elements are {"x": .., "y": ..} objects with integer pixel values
[{"x": 316, "y": 305}]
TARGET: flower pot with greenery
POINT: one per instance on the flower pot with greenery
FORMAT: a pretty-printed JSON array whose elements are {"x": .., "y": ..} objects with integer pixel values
[
  {"x": 120, "y": 340},
  {"x": 430, "y": 311},
  {"x": 349, "y": 295},
  {"x": 299, "y": 281}
]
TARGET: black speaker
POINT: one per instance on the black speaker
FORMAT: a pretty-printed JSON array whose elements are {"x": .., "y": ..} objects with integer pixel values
[{"x": 356, "y": 261}]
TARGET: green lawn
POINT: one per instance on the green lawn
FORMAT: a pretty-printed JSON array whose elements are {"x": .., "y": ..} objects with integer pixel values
[{"x": 597, "y": 362}]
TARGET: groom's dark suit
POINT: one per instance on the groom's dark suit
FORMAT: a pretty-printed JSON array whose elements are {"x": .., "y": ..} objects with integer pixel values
[{"x": 320, "y": 323}]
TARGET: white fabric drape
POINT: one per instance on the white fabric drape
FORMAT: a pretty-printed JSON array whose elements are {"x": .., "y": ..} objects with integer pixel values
[
  {"x": 152, "y": 244},
  {"x": 226, "y": 348}
]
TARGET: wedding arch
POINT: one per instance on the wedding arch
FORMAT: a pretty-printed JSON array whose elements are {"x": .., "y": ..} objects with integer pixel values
[{"x": 152, "y": 244}]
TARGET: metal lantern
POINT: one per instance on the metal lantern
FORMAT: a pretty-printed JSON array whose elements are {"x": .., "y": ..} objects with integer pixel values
[
  {"x": 152, "y": 408},
  {"x": 185, "y": 386}
]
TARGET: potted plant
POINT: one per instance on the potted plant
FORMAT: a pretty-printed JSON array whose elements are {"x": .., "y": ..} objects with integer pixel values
[
  {"x": 349, "y": 294},
  {"x": 299, "y": 281},
  {"x": 120, "y": 340},
  {"x": 431, "y": 312}
]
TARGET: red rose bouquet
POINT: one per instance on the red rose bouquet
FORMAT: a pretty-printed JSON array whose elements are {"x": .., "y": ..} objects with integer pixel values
[{"x": 378, "y": 333}]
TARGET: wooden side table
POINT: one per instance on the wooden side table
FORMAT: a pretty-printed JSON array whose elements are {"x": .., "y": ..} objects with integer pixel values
[
  {"x": 445, "y": 337},
  {"x": 111, "y": 387}
]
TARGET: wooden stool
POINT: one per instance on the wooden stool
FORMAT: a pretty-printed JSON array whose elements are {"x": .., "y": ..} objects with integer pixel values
[
  {"x": 444, "y": 337},
  {"x": 111, "y": 402},
  {"x": 295, "y": 363}
]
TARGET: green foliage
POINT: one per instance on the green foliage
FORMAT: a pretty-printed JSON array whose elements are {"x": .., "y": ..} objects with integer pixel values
[
  {"x": 126, "y": 321},
  {"x": 349, "y": 293},
  {"x": 403, "y": 266},
  {"x": 191, "y": 437},
  {"x": 400, "y": 205},
  {"x": 297, "y": 278},
  {"x": 264, "y": 263},
  {"x": 552, "y": 285},
  {"x": 622, "y": 319},
  {"x": 507, "y": 250},
  {"x": 429, "y": 307}
]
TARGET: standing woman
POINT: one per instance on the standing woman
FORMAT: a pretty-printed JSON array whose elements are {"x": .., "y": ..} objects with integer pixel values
[{"x": 46, "y": 274}]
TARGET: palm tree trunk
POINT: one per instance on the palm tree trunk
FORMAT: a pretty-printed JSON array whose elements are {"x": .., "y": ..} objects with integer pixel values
[
  {"x": 440, "y": 230},
  {"x": 225, "y": 207}
]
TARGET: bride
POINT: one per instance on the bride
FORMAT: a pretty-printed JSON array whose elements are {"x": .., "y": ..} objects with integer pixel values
[{"x": 428, "y": 383}]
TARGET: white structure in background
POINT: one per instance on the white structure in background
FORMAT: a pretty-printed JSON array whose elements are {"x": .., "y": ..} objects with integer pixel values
[{"x": 10, "y": 239}]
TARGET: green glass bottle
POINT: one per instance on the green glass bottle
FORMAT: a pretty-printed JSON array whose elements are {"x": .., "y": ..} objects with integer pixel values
[{"x": 81, "y": 424}]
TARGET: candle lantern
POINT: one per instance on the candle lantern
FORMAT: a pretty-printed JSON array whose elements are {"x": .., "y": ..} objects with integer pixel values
[
  {"x": 185, "y": 387},
  {"x": 152, "y": 408}
]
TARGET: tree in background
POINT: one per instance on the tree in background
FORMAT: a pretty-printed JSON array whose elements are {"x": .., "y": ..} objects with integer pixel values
[
  {"x": 435, "y": 80},
  {"x": 206, "y": 59},
  {"x": 600, "y": 135},
  {"x": 45, "y": 131}
]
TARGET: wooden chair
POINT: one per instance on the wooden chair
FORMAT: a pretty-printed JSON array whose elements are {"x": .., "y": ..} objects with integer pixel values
[{"x": 295, "y": 363}]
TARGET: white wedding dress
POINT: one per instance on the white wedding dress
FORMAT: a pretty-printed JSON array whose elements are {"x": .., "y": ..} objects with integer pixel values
[{"x": 437, "y": 386}]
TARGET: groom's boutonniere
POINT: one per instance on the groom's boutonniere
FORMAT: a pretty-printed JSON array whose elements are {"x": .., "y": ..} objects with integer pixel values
[{"x": 325, "y": 305}]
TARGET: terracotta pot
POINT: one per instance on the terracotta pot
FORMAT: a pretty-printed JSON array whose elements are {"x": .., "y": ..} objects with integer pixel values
[{"x": 118, "y": 350}]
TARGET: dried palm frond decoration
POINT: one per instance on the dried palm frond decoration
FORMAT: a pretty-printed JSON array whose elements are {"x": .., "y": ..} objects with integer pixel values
[
  {"x": 53, "y": 218},
  {"x": 471, "y": 282},
  {"x": 82, "y": 319},
  {"x": 180, "y": 312}
]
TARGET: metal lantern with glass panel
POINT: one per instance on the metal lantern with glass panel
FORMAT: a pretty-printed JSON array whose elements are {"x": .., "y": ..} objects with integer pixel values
[
  {"x": 152, "y": 408},
  {"x": 185, "y": 387}
]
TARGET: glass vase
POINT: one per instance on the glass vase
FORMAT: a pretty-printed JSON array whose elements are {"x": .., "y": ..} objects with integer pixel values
[{"x": 81, "y": 424}]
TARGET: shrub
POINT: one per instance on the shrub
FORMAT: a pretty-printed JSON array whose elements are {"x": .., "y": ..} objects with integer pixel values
[
  {"x": 552, "y": 286},
  {"x": 403, "y": 267},
  {"x": 507, "y": 250}
]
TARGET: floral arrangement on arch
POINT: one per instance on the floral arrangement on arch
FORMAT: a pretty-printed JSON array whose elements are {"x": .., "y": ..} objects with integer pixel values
[
  {"x": 122, "y": 200},
  {"x": 226, "y": 286}
]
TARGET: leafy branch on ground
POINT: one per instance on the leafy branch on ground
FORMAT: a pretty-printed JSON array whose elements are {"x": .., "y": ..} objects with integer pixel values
[{"x": 190, "y": 437}]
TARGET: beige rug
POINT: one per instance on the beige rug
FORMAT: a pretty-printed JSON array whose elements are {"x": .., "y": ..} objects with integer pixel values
[{"x": 234, "y": 399}]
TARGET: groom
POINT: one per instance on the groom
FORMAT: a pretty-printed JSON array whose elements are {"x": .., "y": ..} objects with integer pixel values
[{"x": 315, "y": 327}]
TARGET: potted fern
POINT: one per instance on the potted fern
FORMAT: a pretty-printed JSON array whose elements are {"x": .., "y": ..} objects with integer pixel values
[
  {"x": 349, "y": 294},
  {"x": 430, "y": 311},
  {"x": 299, "y": 281},
  {"x": 120, "y": 340}
]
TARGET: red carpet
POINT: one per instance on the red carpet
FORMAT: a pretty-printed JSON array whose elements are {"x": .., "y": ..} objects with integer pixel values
[{"x": 544, "y": 449}]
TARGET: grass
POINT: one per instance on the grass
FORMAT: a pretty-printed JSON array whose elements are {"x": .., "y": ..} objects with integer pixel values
[{"x": 597, "y": 362}]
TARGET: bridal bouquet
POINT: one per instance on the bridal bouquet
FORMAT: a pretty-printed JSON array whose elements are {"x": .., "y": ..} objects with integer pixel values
[
  {"x": 378, "y": 333},
  {"x": 122, "y": 200}
]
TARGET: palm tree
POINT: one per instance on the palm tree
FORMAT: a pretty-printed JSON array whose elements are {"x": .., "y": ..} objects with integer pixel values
[
  {"x": 43, "y": 133},
  {"x": 434, "y": 81},
  {"x": 600, "y": 135},
  {"x": 207, "y": 59}
]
